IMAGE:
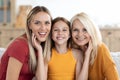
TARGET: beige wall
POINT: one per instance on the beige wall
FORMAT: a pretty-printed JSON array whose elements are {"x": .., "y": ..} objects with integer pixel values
[{"x": 111, "y": 37}]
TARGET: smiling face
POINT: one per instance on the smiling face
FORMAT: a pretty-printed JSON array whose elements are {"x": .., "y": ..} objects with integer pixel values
[
  {"x": 79, "y": 34},
  {"x": 60, "y": 33},
  {"x": 41, "y": 25}
]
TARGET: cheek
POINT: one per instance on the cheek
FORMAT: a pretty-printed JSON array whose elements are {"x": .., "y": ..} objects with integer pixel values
[
  {"x": 34, "y": 31},
  {"x": 53, "y": 35},
  {"x": 49, "y": 28},
  {"x": 33, "y": 28},
  {"x": 88, "y": 36},
  {"x": 73, "y": 35}
]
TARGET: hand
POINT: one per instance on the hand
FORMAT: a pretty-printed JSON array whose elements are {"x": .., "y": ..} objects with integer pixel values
[
  {"x": 35, "y": 42},
  {"x": 89, "y": 49}
]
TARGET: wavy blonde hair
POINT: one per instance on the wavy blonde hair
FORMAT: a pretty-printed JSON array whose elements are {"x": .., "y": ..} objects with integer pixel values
[
  {"x": 92, "y": 30},
  {"x": 45, "y": 45}
]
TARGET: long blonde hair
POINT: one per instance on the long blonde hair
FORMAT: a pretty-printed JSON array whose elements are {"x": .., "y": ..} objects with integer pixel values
[
  {"x": 45, "y": 45},
  {"x": 92, "y": 30}
]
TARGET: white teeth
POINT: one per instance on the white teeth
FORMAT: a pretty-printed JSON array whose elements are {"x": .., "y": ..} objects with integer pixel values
[{"x": 42, "y": 33}]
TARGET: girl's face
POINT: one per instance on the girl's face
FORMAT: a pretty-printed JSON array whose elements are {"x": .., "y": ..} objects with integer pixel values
[
  {"x": 40, "y": 26},
  {"x": 60, "y": 33},
  {"x": 79, "y": 34}
]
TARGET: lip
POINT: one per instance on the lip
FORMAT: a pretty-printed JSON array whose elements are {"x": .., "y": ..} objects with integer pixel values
[
  {"x": 42, "y": 34},
  {"x": 59, "y": 38},
  {"x": 80, "y": 39}
]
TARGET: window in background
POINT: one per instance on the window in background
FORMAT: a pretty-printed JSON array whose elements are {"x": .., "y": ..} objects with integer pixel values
[{"x": 5, "y": 11}]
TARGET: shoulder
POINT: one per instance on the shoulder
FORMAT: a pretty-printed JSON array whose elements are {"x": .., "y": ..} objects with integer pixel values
[
  {"x": 77, "y": 53},
  {"x": 20, "y": 41},
  {"x": 18, "y": 44},
  {"x": 104, "y": 52},
  {"x": 102, "y": 46},
  {"x": 18, "y": 49}
]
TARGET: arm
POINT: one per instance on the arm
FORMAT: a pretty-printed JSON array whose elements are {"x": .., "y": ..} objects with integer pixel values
[
  {"x": 109, "y": 67},
  {"x": 41, "y": 70},
  {"x": 13, "y": 69},
  {"x": 83, "y": 68}
]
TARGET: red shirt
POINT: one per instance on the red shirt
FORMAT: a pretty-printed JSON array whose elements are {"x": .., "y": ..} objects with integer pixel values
[{"x": 19, "y": 50}]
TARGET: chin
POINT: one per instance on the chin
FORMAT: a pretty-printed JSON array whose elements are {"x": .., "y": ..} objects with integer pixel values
[
  {"x": 42, "y": 40},
  {"x": 80, "y": 44}
]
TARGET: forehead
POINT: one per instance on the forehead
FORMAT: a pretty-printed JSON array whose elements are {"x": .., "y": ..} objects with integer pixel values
[
  {"x": 60, "y": 24},
  {"x": 42, "y": 16},
  {"x": 77, "y": 23}
]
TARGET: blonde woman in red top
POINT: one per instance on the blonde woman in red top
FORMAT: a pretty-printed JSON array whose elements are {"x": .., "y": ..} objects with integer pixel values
[
  {"x": 19, "y": 62},
  {"x": 86, "y": 34}
]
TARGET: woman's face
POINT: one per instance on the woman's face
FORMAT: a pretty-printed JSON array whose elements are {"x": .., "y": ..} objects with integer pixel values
[
  {"x": 60, "y": 33},
  {"x": 41, "y": 25},
  {"x": 79, "y": 34}
]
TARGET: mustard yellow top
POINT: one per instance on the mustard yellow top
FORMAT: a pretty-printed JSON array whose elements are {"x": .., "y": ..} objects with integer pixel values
[
  {"x": 61, "y": 66},
  {"x": 104, "y": 66}
]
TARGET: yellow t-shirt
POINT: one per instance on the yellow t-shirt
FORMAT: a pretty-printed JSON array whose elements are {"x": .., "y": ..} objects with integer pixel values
[
  {"x": 61, "y": 66},
  {"x": 104, "y": 66}
]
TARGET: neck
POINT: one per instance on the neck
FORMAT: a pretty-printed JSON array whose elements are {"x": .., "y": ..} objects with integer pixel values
[
  {"x": 83, "y": 48},
  {"x": 61, "y": 49}
]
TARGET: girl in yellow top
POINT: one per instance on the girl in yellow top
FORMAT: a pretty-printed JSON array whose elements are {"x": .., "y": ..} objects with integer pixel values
[
  {"x": 61, "y": 62},
  {"x": 85, "y": 34}
]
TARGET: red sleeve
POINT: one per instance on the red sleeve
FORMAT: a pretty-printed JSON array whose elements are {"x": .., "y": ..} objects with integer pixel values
[{"x": 19, "y": 50}]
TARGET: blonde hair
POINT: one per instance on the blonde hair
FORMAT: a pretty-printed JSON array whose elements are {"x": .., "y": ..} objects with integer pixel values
[
  {"x": 92, "y": 30},
  {"x": 45, "y": 45}
]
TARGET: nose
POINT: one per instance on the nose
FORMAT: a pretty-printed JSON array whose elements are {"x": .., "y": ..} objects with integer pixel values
[
  {"x": 42, "y": 27},
  {"x": 59, "y": 32},
  {"x": 80, "y": 33}
]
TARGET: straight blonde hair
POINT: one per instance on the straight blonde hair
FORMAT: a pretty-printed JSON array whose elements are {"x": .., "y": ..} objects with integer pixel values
[{"x": 45, "y": 45}]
